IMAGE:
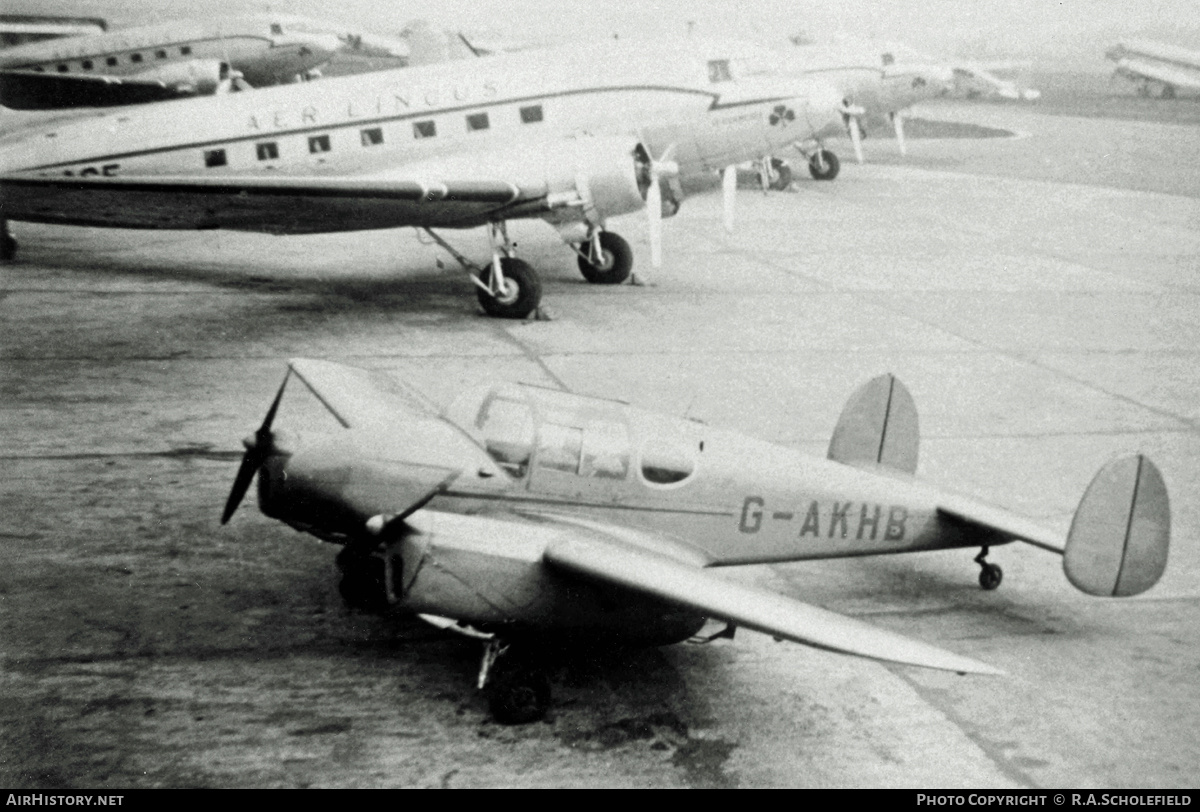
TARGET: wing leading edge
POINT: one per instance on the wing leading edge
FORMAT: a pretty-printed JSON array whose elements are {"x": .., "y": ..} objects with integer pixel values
[{"x": 676, "y": 582}]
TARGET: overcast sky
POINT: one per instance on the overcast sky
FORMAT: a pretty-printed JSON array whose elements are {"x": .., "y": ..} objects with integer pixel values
[{"x": 1076, "y": 31}]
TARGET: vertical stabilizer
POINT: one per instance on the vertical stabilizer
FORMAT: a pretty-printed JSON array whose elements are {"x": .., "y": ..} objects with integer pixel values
[
  {"x": 878, "y": 426},
  {"x": 1117, "y": 545}
]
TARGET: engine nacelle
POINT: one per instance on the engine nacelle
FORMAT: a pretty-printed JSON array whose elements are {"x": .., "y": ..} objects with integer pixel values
[{"x": 195, "y": 77}]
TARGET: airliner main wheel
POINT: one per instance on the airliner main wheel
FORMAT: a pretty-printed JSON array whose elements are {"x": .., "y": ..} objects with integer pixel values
[
  {"x": 522, "y": 291},
  {"x": 616, "y": 261},
  {"x": 781, "y": 175},
  {"x": 990, "y": 576},
  {"x": 824, "y": 165}
]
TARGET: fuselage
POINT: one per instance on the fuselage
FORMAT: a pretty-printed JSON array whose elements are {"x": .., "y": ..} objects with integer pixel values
[
  {"x": 267, "y": 49},
  {"x": 682, "y": 99},
  {"x": 1167, "y": 64}
]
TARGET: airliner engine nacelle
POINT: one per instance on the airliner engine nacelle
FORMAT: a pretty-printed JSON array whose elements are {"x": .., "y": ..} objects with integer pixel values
[
  {"x": 196, "y": 77},
  {"x": 604, "y": 176}
]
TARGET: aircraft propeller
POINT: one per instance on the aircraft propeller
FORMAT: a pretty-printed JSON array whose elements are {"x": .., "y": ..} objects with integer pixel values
[
  {"x": 728, "y": 195},
  {"x": 257, "y": 451},
  {"x": 851, "y": 114},
  {"x": 898, "y": 123},
  {"x": 658, "y": 168}
]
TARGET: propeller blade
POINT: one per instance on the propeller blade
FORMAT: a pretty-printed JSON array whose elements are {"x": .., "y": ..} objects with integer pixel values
[
  {"x": 856, "y": 138},
  {"x": 729, "y": 195},
  {"x": 256, "y": 454},
  {"x": 898, "y": 123},
  {"x": 654, "y": 210}
]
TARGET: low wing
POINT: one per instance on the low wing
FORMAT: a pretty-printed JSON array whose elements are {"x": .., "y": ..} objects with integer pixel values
[
  {"x": 686, "y": 585},
  {"x": 276, "y": 205},
  {"x": 32, "y": 90}
]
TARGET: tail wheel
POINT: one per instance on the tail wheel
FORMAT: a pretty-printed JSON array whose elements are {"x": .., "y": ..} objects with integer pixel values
[
  {"x": 824, "y": 165},
  {"x": 614, "y": 264},
  {"x": 521, "y": 292}
]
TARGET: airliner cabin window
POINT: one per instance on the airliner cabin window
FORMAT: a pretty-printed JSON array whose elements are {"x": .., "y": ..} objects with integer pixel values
[
  {"x": 605, "y": 451},
  {"x": 888, "y": 59},
  {"x": 63, "y": 68},
  {"x": 718, "y": 71},
  {"x": 668, "y": 458},
  {"x": 507, "y": 429},
  {"x": 87, "y": 64},
  {"x": 531, "y": 114},
  {"x": 214, "y": 157},
  {"x": 319, "y": 143},
  {"x": 276, "y": 28},
  {"x": 372, "y": 137},
  {"x": 267, "y": 151},
  {"x": 424, "y": 129},
  {"x": 135, "y": 57},
  {"x": 112, "y": 60},
  {"x": 477, "y": 121},
  {"x": 160, "y": 54},
  {"x": 185, "y": 50}
]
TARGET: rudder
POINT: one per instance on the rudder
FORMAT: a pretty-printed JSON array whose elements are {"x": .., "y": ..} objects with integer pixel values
[
  {"x": 878, "y": 426},
  {"x": 1117, "y": 545}
]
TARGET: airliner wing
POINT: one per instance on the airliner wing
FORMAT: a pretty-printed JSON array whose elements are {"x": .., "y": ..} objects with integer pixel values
[
  {"x": 282, "y": 204},
  {"x": 611, "y": 560},
  {"x": 32, "y": 90}
]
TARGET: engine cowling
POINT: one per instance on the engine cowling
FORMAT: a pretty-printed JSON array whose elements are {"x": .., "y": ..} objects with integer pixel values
[{"x": 195, "y": 77}]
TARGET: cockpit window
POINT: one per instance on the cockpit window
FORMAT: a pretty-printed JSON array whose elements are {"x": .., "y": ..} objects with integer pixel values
[
  {"x": 560, "y": 447},
  {"x": 507, "y": 430},
  {"x": 668, "y": 458},
  {"x": 718, "y": 71}
]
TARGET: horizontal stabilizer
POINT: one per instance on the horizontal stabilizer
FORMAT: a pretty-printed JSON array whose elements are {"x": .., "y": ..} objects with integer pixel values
[
  {"x": 684, "y": 585},
  {"x": 878, "y": 426},
  {"x": 1117, "y": 545}
]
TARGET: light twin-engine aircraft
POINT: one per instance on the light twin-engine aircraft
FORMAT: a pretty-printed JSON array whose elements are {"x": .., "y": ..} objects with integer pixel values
[
  {"x": 573, "y": 136},
  {"x": 1152, "y": 64},
  {"x": 525, "y": 516},
  {"x": 174, "y": 60}
]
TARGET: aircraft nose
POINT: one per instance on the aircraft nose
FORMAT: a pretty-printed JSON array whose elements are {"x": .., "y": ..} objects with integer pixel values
[{"x": 824, "y": 110}]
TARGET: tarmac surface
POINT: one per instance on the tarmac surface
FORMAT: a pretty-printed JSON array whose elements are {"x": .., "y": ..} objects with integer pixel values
[{"x": 1039, "y": 295}]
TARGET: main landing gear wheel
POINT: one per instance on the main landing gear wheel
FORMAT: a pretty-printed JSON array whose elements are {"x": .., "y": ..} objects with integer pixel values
[
  {"x": 824, "y": 165},
  {"x": 518, "y": 694},
  {"x": 615, "y": 262},
  {"x": 780, "y": 176},
  {"x": 522, "y": 291},
  {"x": 990, "y": 575},
  {"x": 362, "y": 584}
]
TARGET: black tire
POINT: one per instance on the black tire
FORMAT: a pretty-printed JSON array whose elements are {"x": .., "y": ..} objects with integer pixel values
[
  {"x": 519, "y": 696},
  {"x": 522, "y": 294},
  {"x": 8, "y": 248},
  {"x": 616, "y": 265},
  {"x": 832, "y": 166},
  {"x": 990, "y": 576},
  {"x": 781, "y": 175}
]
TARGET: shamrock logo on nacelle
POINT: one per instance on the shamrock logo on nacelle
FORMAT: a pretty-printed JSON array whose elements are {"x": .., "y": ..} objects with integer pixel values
[{"x": 781, "y": 115}]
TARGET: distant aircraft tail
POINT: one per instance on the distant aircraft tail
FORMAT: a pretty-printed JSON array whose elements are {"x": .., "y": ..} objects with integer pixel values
[
  {"x": 1117, "y": 545},
  {"x": 878, "y": 426}
]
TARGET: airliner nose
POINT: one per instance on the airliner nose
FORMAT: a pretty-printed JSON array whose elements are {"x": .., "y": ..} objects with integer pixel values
[{"x": 824, "y": 109}]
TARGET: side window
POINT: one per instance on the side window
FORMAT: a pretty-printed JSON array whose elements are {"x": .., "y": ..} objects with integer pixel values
[
  {"x": 267, "y": 151},
  {"x": 424, "y": 129},
  {"x": 507, "y": 428},
  {"x": 111, "y": 61},
  {"x": 667, "y": 459},
  {"x": 63, "y": 68},
  {"x": 605, "y": 451},
  {"x": 87, "y": 64},
  {"x": 319, "y": 143},
  {"x": 372, "y": 137},
  {"x": 559, "y": 447},
  {"x": 718, "y": 71},
  {"x": 185, "y": 50},
  {"x": 160, "y": 54},
  {"x": 214, "y": 157},
  {"x": 276, "y": 29},
  {"x": 135, "y": 57},
  {"x": 477, "y": 121},
  {"x": 532, "y": 114}
]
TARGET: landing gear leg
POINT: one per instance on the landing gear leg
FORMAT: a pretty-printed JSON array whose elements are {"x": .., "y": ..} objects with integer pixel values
[
  {"x": 518, "y": 689},
  {"x": 990, "y": 575},
  {"x": 8, "y": 245},
  {"x": 508, "y": 288}
]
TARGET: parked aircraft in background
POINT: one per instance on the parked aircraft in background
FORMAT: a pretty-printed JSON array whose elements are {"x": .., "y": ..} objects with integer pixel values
[
  {"x": 20, "y": 29},
  {"x": 175, "y": 59},
  {"x": 573, "y": 136},
  {"x": 525, "y": 515},
  {"x": 1151, "y": 65}
]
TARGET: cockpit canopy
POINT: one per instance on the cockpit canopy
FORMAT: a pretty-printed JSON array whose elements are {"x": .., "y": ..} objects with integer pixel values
[{"x": 538, "y": 433}]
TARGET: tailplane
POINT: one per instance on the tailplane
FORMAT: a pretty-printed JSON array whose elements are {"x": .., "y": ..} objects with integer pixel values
[
  {"x": 878, "y": 426},
  {"x": 1117, "y": 545}
]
